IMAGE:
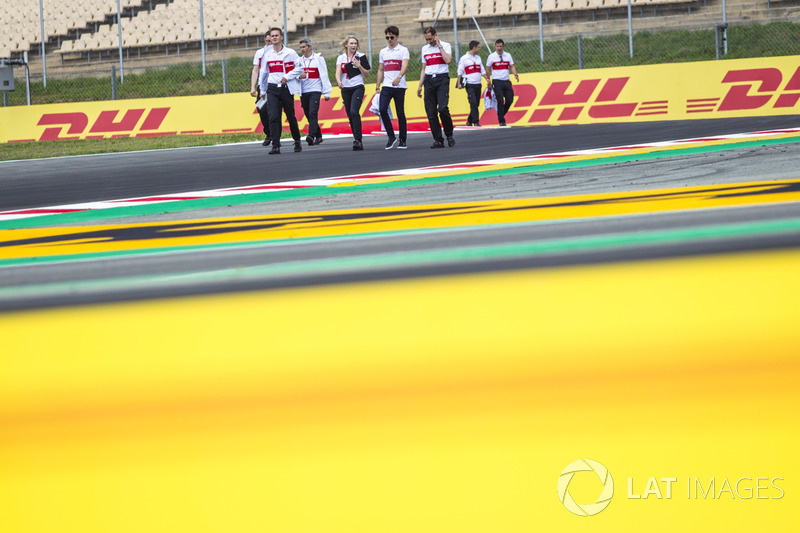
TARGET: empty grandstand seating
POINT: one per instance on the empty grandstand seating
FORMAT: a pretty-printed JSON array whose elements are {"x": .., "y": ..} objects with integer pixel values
[
  {"x": 149, "y": 23},
  {"x": 495, "y": 8}
]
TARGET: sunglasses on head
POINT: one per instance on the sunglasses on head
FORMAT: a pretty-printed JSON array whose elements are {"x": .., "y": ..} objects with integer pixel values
[{"x": 388, "y": 37}]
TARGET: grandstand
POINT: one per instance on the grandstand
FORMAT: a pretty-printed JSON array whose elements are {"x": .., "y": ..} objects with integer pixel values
[
  {"x": 79, "y": 29},
  {"x": 80, "y": 32}
]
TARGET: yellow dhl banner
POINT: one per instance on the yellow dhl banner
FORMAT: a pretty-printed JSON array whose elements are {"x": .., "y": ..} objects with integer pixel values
[{"x": 709, "y": 89}]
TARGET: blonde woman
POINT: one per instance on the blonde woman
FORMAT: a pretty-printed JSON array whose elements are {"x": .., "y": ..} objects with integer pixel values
[{"x": 351, "y": 67}]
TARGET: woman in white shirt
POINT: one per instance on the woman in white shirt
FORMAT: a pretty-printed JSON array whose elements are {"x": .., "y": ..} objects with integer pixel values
[{"x": 351, "y": 67}]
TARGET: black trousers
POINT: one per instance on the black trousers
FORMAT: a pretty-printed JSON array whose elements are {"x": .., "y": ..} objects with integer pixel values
[
  {"x": 280, "y": 99},
  {"x": 263, "y": 114},
  {"x": 352, "y": 98},
  {"x": 399, "y": 96},
  {"x": 504, "y": 92},
  {"x": 310, "y": 103},
  {"x": 474, "y": 99},
  {"x": 437, "y": 98}
]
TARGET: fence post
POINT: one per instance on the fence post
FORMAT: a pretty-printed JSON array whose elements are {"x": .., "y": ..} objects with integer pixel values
[
  {"x": 27, "y": 76},
  {"x": 202, "y": 39},
  {"x": 41, "y": 29},
  {"x": 119, "y": 32},
  {"x": 580, "y": 51},
  {"x": 224, "y": 76},
  {"x": 630, "y": 29},
  {"x": 113, "y": 82},
  {"x": 725, "y": 29},
  {"x": 541, "y": 34},
  {"x": 721, "y": 37}
]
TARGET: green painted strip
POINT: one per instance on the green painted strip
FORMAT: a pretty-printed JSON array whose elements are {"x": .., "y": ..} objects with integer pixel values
[
  {"x": 430, "y": 257},
  {"x": 243, "y": 199}
]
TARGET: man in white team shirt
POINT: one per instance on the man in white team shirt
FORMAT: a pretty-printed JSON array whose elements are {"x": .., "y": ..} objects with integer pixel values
[
  {"x": 314, "y": 83},
  {"x": 258, "y": 88},
  {"x": 282, "y": 68},
  {"x": 498, "y": 64},
  {"x": 436, "y": 57},
  {"x": 470, "y": 70},
  {"x": 392, "y": 66}
]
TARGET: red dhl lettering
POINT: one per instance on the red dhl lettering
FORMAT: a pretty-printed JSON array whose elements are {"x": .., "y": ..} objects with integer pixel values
[
  {"x": 106, "y": 122},
  {"x": 558, "y": 94},
  {"x": 755, "y": 88},
  {"x": 738, "y": 96},
  {"x": 77, "y": 123}
]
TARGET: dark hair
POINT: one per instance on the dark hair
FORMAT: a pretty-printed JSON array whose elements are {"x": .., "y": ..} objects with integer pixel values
[
  {"x": 429, "y": 29},
  {"x": 276, "y": 29},
  {"x": 500, "y": 41},
  {"x": 394, "y": 30},
  {"x": 473, "y": 44}
]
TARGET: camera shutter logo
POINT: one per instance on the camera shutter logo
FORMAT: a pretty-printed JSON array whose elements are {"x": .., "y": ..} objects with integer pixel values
[{"x": 589, "y": 509}]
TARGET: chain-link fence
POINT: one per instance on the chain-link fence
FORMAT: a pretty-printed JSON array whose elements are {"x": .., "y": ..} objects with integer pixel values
[{"x": 542, "y": 35}]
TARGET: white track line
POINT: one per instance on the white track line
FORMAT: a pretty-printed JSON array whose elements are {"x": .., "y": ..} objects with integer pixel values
[{"x": 352, "y": 178}]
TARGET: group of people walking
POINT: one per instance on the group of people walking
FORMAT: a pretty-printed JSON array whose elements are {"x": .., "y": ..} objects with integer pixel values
[{"x": 279, "y": 73}]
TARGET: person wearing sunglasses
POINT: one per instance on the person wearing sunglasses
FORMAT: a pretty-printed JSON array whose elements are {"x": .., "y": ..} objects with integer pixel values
[
  {"x": 392, "y": 66},
  {"x": 436, "y": 56},
  {"x": 258, "y": 88}
]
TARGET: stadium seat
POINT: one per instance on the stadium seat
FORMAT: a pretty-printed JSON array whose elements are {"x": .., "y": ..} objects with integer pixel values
[
  {"x": 326, "y": 8},
  {"x": 502, "y": 7},
  {"x": 549, "y": 6},
  {"x": 425, "y": 15},
  {"x": 517, "y": 7},
  {"x": 486, "y": 8}
]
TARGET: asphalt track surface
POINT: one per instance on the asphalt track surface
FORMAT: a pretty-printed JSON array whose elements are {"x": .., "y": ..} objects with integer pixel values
[
  {"x": 48, "y": 182},
  {"x": 114, "y": 176}
]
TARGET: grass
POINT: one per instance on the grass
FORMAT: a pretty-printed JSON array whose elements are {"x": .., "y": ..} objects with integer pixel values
[{"x": 38, "y": 150}]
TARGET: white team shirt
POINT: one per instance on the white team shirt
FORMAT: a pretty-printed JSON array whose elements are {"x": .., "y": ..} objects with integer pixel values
[
  {"x": 500, "y": 65},
  {"x": 392, "y": 61},
  {"x": 431, "y": 58},
  {"x": 257, "y": 60},
  {"x": 316, "y": 71},
  {"x": 347, "y": 81},
  {"x": 470, "y": 67},
  {"x": 276, "y": 65}
]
